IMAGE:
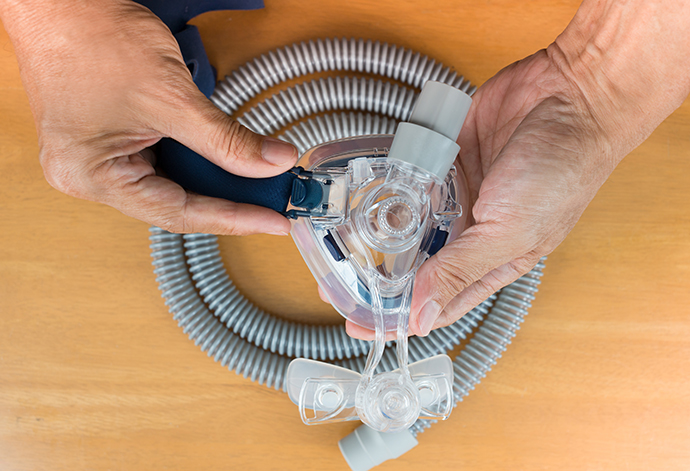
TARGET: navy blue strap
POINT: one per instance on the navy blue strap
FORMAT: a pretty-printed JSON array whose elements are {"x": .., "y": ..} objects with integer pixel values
[
  {"x": 194, "y": 55},
  {"x": 177, "y": 13},
  {"x": 184, "y": 166},
  {"x": 195, "y": 173}
]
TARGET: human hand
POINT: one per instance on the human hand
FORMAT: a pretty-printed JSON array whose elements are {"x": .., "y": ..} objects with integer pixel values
[
  {"x": 106, "y": 80},
  {"x": 533, "y": 159},
  {"x": 541, "y": 138}
]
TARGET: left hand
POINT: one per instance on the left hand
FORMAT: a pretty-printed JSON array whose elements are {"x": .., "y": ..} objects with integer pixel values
[{"x": 106, "y": 80}]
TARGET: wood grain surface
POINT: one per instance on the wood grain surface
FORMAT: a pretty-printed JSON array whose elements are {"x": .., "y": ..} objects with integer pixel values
[{"x": 95, "y": 375}]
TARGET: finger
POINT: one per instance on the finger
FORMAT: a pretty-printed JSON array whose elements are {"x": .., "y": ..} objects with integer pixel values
[
  {"x": 468, "y": 160},
  {"x": 322, "y": 295},
  {"x": 362, "y": 333},
  {"x": 149, "y": 156},
  {"x": 130, "y": 185},
  {"x": 476, "y": 252},
  {"x": 357, "y": 331},
  {"x": 196, "y": 123},
  {"x": 481, "y": 289}
]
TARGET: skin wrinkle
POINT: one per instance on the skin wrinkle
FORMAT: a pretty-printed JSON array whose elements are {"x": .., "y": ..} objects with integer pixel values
[
  {"x": 588, "y": 101},
  {"x": 563, "y": 131},
  {"x": 230, "y": 141},
  {"x": 562, "y": 63},
  {"x": 105, "y": 79},
  {"x": 488, "y": 142},
  {"x": 143, "y": 194},
  {"x": 126, "y": 171},
  {"x": 61, "y": 179},
  {"x": 474, "y": 294},
  {"x": 183, "y": 216},
  {"x": 95, "y": 171},
  {"x": 122, "y": 141},
  {"x": 575, "y": 131},
  {"x": 639, "y": 90},
  {"x": 487, "y": 282},
  {"x": 540, "y": 138}
]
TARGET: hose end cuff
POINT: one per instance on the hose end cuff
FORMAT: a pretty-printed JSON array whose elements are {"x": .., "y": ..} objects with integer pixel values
[{"x": 365, "y": 447}]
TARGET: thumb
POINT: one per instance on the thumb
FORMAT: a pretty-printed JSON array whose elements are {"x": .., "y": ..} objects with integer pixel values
[
  {"x": 480, "y": 261},
  {"x": 205, "y": 129}
]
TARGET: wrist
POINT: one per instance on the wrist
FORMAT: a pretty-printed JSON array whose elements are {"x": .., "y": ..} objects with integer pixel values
[{"x": 629, "y": 62}]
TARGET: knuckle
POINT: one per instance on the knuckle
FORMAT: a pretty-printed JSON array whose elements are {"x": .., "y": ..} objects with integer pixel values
[
  {"x": 172, "y": 224},
  {"x": 527, "y": 262},
  {"x": 226, "y": 221},
  {"x": 233, "y": 139},
  {"x": 176, "y": 221},
  {"x": 186, "y": 219},
  {"x": 451, "y": 279},
  {"x": 492, "y": 282},
  {"x": 448, "y": 316},
  {"x": 58, "y": 174},
  {"x": 230, "y": 220}
]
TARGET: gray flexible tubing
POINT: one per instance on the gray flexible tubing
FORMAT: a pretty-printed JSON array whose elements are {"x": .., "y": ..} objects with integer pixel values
[
  {"x": 325, "y": 343},
  {"x": 285, "y": 63},
  {"x": 189, "y": 268}
]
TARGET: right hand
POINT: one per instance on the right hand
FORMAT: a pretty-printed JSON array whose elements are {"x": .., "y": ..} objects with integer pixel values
[
  {"x": 540, "y": 139},
  {"x": 106, "y": 80}
]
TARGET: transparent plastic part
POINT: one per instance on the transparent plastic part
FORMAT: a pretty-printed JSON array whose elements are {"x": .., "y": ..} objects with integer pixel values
[
  {"x": 364, "y": 243},
  {"x": 377, "y": 220}
]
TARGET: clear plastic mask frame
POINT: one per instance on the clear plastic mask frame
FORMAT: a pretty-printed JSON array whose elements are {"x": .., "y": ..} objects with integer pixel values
[
  {"x": 362, "y": 227},
  {"x": 368, "y": 222}
]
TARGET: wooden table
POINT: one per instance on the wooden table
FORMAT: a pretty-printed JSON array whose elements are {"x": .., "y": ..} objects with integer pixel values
[{"x": 95, "y": 375}]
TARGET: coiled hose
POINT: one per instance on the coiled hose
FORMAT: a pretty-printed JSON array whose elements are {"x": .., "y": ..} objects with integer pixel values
[{"x": 189, "y": 268}]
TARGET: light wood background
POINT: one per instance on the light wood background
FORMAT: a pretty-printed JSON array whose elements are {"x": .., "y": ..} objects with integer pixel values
[{"x": 95, "y": 375}]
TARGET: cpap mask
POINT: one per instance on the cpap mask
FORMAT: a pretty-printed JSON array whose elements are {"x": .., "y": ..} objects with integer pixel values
[
  {"x": 257, "y": 345},
  {"x": 368, "y": 212}
]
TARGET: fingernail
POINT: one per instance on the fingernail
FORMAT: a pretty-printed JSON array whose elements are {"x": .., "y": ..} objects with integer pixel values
[
  {"x": 277, "y": 152},
  {"x": 278, "y": 233},
  {"x": 427, "y": 317}
]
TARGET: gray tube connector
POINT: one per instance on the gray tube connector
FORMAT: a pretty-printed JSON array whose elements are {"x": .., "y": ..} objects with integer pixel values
[
  {"x": 427, "y": 140},
  {"x": 365, "y": 447}
]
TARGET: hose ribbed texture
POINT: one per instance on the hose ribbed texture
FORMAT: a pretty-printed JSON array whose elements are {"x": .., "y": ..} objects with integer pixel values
[
  {"x": 189, "y": 268},
  {"x": 326, "y": 128},
  {"x": 492, "y": 338},
  {"x": 254, "y": 325},
  {"x": 322, "y": 55},
  {"x": 339, "y": 93},
  {"x": 200, "y": 324}
]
